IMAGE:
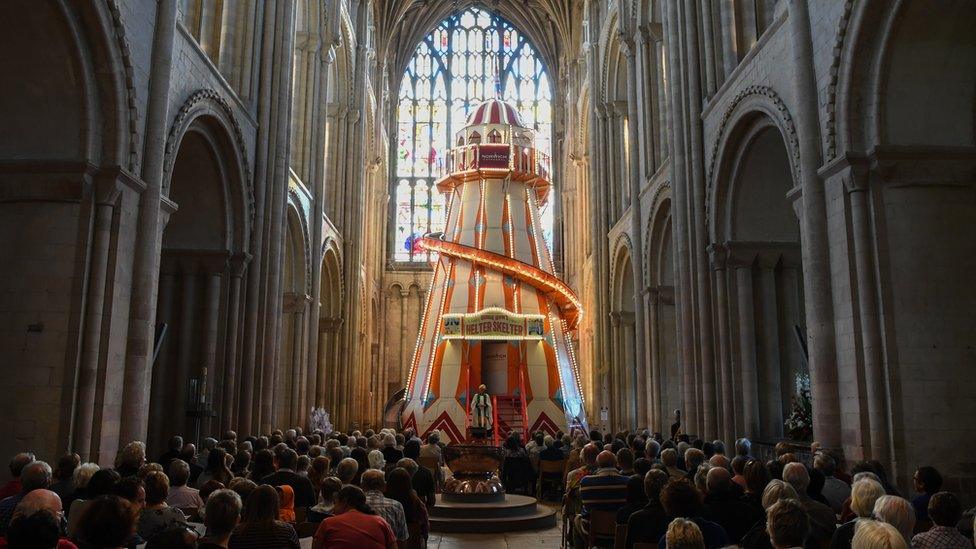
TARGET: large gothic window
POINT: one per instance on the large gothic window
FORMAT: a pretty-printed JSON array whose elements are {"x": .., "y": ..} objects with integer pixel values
[{"x": 452, "y": 71}]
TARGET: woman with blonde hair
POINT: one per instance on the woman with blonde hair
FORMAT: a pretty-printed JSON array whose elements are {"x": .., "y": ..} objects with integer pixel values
[
  {"x": 684, "y": 534},
  {"x": 758, "y": 536},
  {"x": 874, "y": 534},
  {"x": 897, "y": 512},
  {"x": 864, "y": 494}
]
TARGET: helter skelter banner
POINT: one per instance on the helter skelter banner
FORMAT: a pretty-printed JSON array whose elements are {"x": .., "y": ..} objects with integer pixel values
[{"x": 496, "y": 314}]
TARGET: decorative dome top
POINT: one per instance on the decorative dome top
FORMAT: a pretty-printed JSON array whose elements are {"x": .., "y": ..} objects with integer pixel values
[{"x": 495, "y": 111}]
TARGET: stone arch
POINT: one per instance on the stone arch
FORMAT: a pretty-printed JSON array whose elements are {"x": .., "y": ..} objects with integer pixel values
[
  {"x": 68, "y": 115},
  {"x": 906, "y": 173},
  {"x": 292, "y": 372},
  {"x": 755, "y": 236},
  {"x": 755, "y": 105},
  {"x": 623, "y": 384},
  {"x": 876, "y": 106},
  {"x": 203, "y": 243},
  {"x": 664, "y": 371},
  {"x": 208, "y": 113},
  {"x": 331, "y": 297}
]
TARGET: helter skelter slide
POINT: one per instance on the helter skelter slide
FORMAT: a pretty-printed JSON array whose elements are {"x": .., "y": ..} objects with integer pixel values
[{"x": 496, "y": 314}]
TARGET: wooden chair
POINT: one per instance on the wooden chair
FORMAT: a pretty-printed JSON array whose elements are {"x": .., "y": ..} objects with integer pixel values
[
  {"x": 306, "y": 529},
  {"x": 550, "y": 472},
  {"x": 602, "y": 527},
  {"x": 620, "y": 539}
]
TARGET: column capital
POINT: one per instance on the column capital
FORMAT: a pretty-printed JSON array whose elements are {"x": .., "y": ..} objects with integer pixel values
[
  {"x": 615, "y": 319},
  {"x": 238, "y": 264},
  {"x": 651, "y": 32},
  {"x": 295, "y": 302},
  {"x": 718, "y": 255},
  {"x": 626, "y": 44},
  {"x": 330, "y": 324}
]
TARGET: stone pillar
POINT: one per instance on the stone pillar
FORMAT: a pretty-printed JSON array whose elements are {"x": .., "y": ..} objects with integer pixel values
[
  {"x": 813, "y": 234},
  {"x": 184, "y": 365},
  {"x": 162, "y": 384},
  {"x": 295, "y": 305},
  {"x": 708, "y": 42},
  {"x": 211, "y": 318},
  {"x": 655, "y": 419},
  {"x": 857, "y": 184},
  {"x": 726, "y": 393},
  {"x": 769, "y": 376},
  {"x": 636, "y": 231},
  {"x": 91, "y": 342},
  {"x": 238, "y": 265},
  {"x": 145, "y": 267},
  {"x": 628, "y": 345},
  {"x": 747, "y": 343},
  {"x": 616, "y": 403}
]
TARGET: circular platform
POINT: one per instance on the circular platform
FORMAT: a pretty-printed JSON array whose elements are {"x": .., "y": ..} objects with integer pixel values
[{"x": 514, "y": 513}]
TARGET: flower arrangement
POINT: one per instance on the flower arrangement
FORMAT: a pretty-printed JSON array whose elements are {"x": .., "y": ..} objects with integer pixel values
[
  {"x": 319, "y": 420},
  {"x": 799, "y": 424}
]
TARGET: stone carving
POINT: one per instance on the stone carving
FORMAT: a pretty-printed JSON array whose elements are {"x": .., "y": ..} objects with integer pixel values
[
  {"x": 209, "y": 98},
  {"x": 130, "y": 91},
  {"x": 780, "y": 114},
  {"x": 830, "y": 122}
]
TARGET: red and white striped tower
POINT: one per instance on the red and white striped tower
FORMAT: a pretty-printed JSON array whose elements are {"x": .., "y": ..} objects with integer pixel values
[{"x": 496, "y": 313}]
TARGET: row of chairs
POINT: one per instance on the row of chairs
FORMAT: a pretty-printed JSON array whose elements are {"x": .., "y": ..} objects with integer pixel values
[{"x": 605, "y": 532}]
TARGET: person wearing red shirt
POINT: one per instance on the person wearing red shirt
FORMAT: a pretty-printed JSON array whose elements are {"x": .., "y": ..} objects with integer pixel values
[{"x": 354, "y": 525}]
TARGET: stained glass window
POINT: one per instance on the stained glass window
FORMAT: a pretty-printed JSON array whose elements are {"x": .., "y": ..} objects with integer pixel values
[{"x": 471, "y": 56}]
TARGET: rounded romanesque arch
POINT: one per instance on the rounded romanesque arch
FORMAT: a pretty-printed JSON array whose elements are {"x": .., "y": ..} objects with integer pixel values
[
  {"x": 622, "y": 383},
  {"x": 204, "y": 256},
  {"x": 292, "y": 371},
  {"x": 69, "y": 120},
  {"x": 755, "y": 235}
]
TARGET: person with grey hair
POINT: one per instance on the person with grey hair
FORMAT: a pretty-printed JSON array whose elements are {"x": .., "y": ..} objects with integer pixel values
[
  {"x": 391, "y": 454},
  {"x": 693, "y": 459},
  {"x": 743, "y": 447},
  {"x": 898, "y": 512},
  {"x": 873, "y": 534},
  {"x": 758, "y": 536},
  {"x": 180, "y": 495},
  {"x": 822, "y": 519},
  {"x": 836, "y": 491},
  {"x": 376, "y": 460},
  {"x": 652, "y": 449},
  {"x": 347, "y": 469},
  {"x": 373, "y": 483},
  {"x": 130, "y": 459},
  {"x": 36, "y": 475},
  {"x": 864, "y": 494},
  {"x": 208, "y": 444}
]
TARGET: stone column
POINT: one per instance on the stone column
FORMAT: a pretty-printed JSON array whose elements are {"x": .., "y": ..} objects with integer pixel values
[
  {"x": 628, "y": 346},
  {"x": 145, "y": 266},
  {"x": 769, "y": 377},
  {"x": 654, "y": 342},
  {"x": 726, "y": 393},
  {"x": 637, "y": 232},
  {"x": 238, "y": 265},
  {"x": 295, "y": 305},
  {"x": 184, "y": 365},
  {"x": 813, "y": 234},
  {"x": 163, "y": 371},
  {"x": 747, "y": 342},
  {"x": 615, "y": 378},
  {"x": 211, "y": 317},
  {"x": 708, "y": 42},
  {"x": 95, "y": 305},
  {"x": 857, "y": 184}
]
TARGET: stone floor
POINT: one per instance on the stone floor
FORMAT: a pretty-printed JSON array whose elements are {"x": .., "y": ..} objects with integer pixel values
[{"x": 514, "y": 540}]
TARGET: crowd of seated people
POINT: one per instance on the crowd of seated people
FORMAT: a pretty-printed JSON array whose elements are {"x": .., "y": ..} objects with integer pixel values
[
  {"x": 358, "y": 490},
  {"x": 637, "y": 490},
  {"x": 375, "y": 489}
]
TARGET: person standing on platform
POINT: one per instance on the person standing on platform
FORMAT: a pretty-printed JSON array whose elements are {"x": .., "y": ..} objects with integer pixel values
[{"x": 481, "y": 409}]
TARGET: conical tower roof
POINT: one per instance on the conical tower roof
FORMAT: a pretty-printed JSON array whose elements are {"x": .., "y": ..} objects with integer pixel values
[{"x": 495, "y": 111}]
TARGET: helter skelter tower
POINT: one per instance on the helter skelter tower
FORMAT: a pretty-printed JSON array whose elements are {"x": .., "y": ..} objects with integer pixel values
[{"x": 496, "y": 313}]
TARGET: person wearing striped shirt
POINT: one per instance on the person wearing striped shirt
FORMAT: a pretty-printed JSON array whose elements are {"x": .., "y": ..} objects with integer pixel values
[{"x": 605, "y": 490}]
